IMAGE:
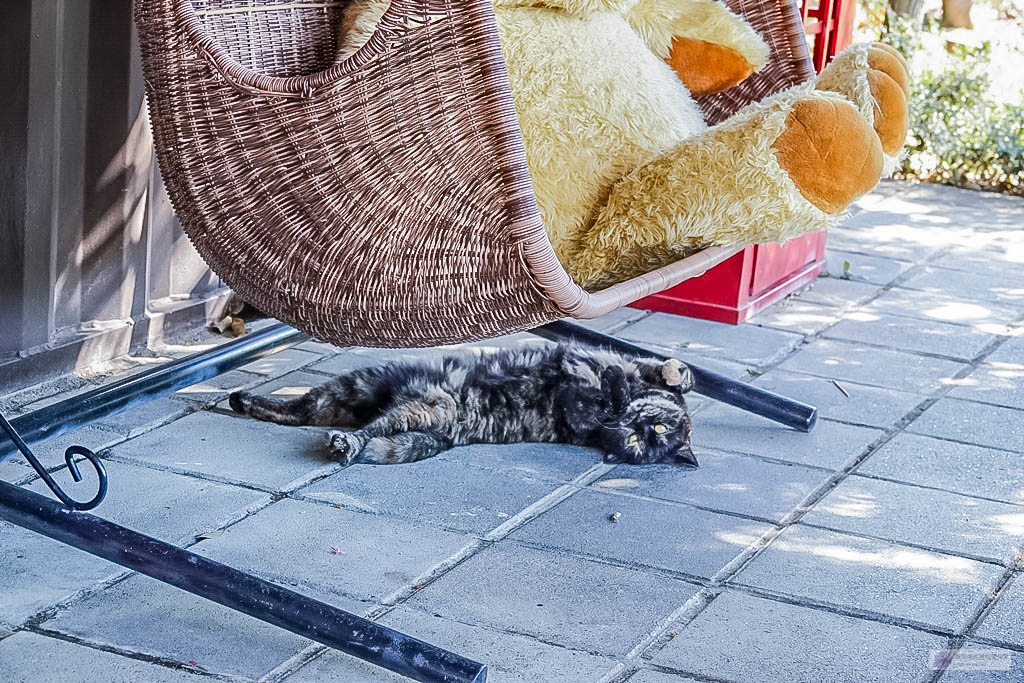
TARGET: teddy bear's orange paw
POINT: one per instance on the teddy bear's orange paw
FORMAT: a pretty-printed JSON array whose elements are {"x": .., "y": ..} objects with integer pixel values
[
  {"x": 889, "y": 69},
  {"x": 706, "y": 68},
  {"x": 884, "y": 72},
  {"x": 830, "y": 151}
]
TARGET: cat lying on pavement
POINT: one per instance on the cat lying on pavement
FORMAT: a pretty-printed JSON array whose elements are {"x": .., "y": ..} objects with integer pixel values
[{"x": 630, "y": 408}]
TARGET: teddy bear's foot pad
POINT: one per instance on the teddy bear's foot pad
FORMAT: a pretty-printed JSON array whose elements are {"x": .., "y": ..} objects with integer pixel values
[
  {"x": 830, "y": 152},
  {"x": 875, "y": 78}
]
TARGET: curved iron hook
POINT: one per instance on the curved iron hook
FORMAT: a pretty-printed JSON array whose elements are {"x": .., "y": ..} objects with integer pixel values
[{"x": 69, "y": 459}]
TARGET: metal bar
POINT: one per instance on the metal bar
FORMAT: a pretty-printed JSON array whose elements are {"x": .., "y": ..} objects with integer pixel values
[
  {"x": 69, "y": 459},
  {"x": 75, "y": 412},
  {"x": 747, "y": 397},
  {"x": 237, "y": 590}
]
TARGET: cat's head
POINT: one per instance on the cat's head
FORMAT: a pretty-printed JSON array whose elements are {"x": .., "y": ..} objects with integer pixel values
[{"x": 649, "y": 428}]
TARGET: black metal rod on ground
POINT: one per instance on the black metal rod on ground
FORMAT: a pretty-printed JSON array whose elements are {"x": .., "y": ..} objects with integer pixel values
[
  {"x": 273, "y": 604},
  {"x": 82, "y": 409},
  {"x": 747, "y": 397}
]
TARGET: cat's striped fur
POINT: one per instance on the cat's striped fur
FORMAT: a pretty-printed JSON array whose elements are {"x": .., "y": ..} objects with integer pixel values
[{"x": 630, "y": 408}]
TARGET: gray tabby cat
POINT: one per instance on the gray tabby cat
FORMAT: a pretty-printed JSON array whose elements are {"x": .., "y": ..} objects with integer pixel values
[{"x": 630, "y": 408}]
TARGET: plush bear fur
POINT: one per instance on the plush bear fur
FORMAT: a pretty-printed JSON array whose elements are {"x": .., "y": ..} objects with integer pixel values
[{"x": 627, "y": 174}]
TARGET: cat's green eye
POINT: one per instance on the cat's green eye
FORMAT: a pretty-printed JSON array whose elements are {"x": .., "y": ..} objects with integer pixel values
[
  {"x": 633, "y": 439},
  {"x": 660, "y": 429}
]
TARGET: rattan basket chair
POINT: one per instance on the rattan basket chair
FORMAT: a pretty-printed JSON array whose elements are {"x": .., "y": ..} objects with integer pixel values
[{"x": 383, "y": 200}]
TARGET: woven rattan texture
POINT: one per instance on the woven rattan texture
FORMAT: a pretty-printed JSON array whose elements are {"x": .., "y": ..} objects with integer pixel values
[
  {"x": 780, "y": 24},
  {"x": 380, "y": 201}
]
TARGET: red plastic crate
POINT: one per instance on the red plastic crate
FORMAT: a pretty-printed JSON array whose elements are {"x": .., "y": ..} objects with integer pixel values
[
  {"x": 751, "y": 280},
  {"x": 761, "y": 275}
]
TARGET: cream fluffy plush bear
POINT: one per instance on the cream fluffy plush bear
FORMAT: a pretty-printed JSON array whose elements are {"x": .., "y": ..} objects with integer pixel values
[{"x": 628, "y": 175}]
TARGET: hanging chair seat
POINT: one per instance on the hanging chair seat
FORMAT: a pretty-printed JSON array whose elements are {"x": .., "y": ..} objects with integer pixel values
[{"x": 383, "y": 200}]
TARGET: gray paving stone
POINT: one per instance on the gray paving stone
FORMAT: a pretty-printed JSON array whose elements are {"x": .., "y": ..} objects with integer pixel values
[
  {"x": 863, "y": 268},
  {"x": 565, "y": 600},
  {"x": 957, "y": 341},
  {"x": 829, "y": 291},
  {"x": 983, "y": 208},
  {"x": 1011, "y": 352},
  {"x": 1005, "y": 623},
  {"x": 442, "y": 492},
  {"x": 662, "y": 535},
  {"x": 830, "y": 444},
  {"x": 886, "y": 234},
  {"x": 925, "y": 587},
  {"x": 935, "y": 519},
  {"x": 971, "y": 470},
  {"x": 794, "y": 315},
  {"x": 36, "y": 572},
  {"x": 558, "y": 462},
  {"x": 650, "y": 676},
  {"x": 235, "y": 449},
  {"x": 1005, "y": 285},
  {"x": 11, "y": 471},
  {"x": 976, "y": 423},
  {"x": 168, "y": 506},
  {"x": 147, "y": 617},
  {"x": 46, "y": 394},
  {"x": 726, "y": 368},
  {"x": 293, "y": 543},
  {"x": 510, "y": 658},
  {"x": 742, "y": 343},
  {"x": 361, "y": 358},
  {"x": 289, "y": 386},
  {"x": 217, "y": 388},
  {"x": 281, "y": 363},
  {"x": 906, "y": 227},
  {"x": 31, "y": 658},
  {"x": 1002, "y": 250},
  {"x": 319, "y": 347},
  {"x": 980, "y": 663},
  {"x": 862, "y": 404},
  {"x": 610, "y": 322},
  {"x": 948, "y": 308},
  {"x": 733, "y": 483},
  {"x": 147, "y": 416},
  {"x": 993, "y": 382},
  {"x": 51, "y": 452},
  {"x": 738, "y": 635},
  {"x": 842, "y": 360}
]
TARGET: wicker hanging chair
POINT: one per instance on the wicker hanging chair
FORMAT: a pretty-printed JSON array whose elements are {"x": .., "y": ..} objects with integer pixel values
[{"x": 383, "y": 200}]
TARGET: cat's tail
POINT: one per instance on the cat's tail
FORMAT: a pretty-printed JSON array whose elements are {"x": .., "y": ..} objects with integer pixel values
[{"x": 296, "y": 412}]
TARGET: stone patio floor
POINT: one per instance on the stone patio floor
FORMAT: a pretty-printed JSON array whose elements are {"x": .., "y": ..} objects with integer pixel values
[{"x": 893, "y": 531}]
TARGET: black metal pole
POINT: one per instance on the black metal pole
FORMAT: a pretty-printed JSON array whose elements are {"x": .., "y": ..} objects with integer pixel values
[
  {"x": 287, "y": 609},
  {"x": 753, "y": 399},
  {"x": 75, "y": 412}
]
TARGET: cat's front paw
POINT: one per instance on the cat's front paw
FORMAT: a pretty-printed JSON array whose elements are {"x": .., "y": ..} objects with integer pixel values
[{"x": 344, "y": 447}]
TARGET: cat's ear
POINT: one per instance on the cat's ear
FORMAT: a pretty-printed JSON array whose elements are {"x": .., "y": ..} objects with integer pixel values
[
  {"x": 684, "y": 456},
  {"x": 615, "y": 387},
  {"x": 677, "y": 374}
]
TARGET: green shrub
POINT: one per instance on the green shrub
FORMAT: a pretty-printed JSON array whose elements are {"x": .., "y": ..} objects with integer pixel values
[{"x": 959, "y": 134}]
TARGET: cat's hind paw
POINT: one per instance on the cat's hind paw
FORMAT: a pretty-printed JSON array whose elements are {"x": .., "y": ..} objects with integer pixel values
[{"x": 344, "y": 446}]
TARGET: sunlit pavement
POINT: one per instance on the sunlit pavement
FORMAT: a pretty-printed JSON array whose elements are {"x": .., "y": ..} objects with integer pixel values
[{"x": 888, "y": 542}]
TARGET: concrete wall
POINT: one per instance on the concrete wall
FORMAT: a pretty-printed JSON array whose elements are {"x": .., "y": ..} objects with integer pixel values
[{"x": 92, "y": 260}]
